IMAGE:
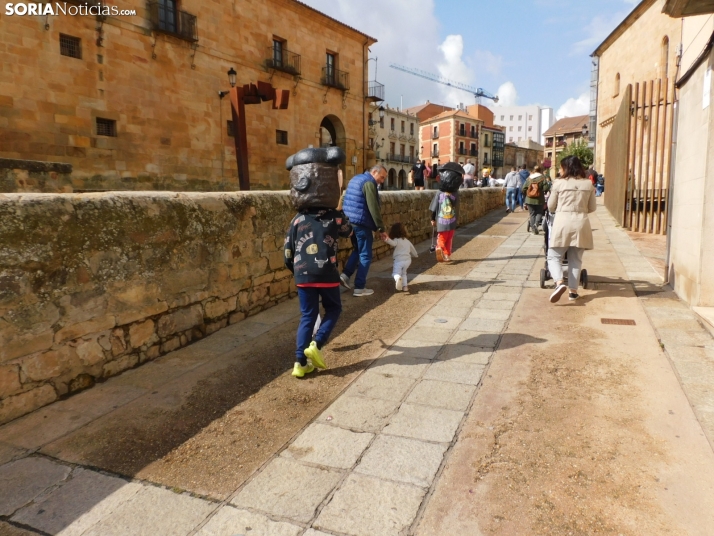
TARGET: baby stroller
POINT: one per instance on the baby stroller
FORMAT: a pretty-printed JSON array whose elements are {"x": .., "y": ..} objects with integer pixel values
[{"x": 545, "y": 272}]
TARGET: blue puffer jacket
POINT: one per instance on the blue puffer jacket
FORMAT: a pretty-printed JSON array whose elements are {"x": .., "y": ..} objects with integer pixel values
[{"x": 355, "y": 204}]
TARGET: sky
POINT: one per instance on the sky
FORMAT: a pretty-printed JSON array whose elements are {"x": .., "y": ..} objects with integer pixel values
[{"x": 524, "y": 51}]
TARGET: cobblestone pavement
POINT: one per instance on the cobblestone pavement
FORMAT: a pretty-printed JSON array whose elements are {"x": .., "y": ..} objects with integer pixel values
[{"x": 371, "y": 462}]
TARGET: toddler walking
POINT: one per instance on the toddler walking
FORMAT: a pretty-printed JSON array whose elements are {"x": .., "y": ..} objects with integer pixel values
[{"x": 403, "y": 253}]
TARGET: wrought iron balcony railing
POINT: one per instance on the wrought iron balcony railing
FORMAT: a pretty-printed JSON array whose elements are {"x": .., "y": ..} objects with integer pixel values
[
  {"x": 166, "y": 19},
  {"x": 473, "y": 152},
  {"x": 281, "y": 59},
  {"x": 435, "y": 153},
  {"x": 375, "y": 91},
  {"x": 435, "y": 134},
  {"x": 335, "y": 78}
]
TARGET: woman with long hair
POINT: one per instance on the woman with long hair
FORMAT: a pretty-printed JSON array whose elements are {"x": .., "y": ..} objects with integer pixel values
[{"x": 572, "y": 198}]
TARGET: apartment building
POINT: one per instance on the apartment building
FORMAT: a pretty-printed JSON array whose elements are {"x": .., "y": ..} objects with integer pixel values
[
  {"x": 563, "y": 133},
  {"x": 524, "y": 122},
  {"x": 394, "y": 138},
  {"x": 132, "y": 102}
]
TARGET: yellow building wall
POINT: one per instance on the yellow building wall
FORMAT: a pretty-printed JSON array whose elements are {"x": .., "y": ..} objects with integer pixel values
[{"x": 164, "y": 94}]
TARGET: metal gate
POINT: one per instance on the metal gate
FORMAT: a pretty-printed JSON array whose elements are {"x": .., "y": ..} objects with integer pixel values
[{"x": 638, "y": 157}]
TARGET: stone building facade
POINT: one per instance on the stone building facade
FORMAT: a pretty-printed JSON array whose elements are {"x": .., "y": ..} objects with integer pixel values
[
  {"x": 643, "y": 47},
  {"x": 394, "y": 138},
  {"x": 132, "y": 102},
  {"x": 564, "y": 132}
]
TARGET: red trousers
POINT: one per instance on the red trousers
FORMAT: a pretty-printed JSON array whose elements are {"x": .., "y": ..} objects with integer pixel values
[{"x": 444, "y": 241}]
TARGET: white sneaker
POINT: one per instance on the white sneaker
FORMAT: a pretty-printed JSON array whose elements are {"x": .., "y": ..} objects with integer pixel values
[
  {"x": 345, "y": 281},
  {"x": 557, "y": 293},
  {"x": 398, "y": 282},
  {"x": 363, "y": 292}
]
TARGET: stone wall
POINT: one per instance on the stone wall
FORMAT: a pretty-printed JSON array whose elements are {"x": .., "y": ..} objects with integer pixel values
[{"x": 94, "y": 284}]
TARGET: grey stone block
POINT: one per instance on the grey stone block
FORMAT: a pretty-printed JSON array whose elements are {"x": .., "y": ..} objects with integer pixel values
[
  {"x": 23, "y": 480},
  {"x": 403, "y": 460},
  {"x": 329, "y": 446},
  {"x": 425, "y": 423},
  {"x": 10, "y": 452},
  {"x": 367, "y": 506},
  {"x": 359, "y": 414},
  {"x": 230, "y": 521},
  {"x": 288, "y": 489},
  {"x": 81, "y": 502},
  {"x": 434, "y": 335},
  {"x": 483, "y": 324},
  {"x": 442, "y": 395},
  {"x": 454, "y": 372},
  {"x": 443, "y": 309},
  {"x": 385, "y": 387},
  {"x": 399, "y": 365},
  {"x": 475, "y": 339},
  {"x": 153, "y": 511},
  {"x": 463, "y": 353}
]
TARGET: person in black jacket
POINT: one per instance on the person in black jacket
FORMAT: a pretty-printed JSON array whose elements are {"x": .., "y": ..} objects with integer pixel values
[{"x": 311, "y": 250}]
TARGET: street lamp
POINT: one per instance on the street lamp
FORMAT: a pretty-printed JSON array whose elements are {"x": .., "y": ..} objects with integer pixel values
[
  {"x": 231, "y": 80},
  {"x": 381, "y": 112}
]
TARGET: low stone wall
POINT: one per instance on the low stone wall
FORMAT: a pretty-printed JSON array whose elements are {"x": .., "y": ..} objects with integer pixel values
[{"x": 94, "y": 284}]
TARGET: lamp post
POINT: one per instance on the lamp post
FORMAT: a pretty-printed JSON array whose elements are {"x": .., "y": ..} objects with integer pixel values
[{"x": 231, "y": 80}]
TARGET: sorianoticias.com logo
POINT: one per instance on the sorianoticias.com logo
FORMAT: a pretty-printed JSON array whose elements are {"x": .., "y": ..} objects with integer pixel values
[{"x": 60, "y": 8}]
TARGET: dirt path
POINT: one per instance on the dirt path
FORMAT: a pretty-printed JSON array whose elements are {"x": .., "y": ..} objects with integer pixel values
[{"x": 588, "y": 432}]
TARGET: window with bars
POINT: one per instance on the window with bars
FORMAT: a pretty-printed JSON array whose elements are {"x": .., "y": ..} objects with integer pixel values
[
  {"x": 230, "y": 129},
  {"x": 281, "y": 137},
  {"x": 71, "y": 46},
  {"x": 106, "y": 127}
]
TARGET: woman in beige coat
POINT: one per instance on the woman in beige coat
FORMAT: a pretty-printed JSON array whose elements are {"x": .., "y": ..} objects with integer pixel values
[{"x": 572, "y": 198}]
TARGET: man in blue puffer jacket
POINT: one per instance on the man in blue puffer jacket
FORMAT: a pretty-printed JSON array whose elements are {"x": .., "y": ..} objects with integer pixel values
[{"x": 361, "y": 205}]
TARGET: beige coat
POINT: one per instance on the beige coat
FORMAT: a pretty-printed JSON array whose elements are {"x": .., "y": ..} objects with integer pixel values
[{"x": 571, "y": 200}]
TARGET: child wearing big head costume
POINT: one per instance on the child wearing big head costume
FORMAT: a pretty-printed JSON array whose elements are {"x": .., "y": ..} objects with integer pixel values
[
  {"x": 311, "y": 249},
  {"x": 445, "y": 209}
]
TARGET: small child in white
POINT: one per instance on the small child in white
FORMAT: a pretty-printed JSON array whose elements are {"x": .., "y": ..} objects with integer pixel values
[{"x": 403, "y": 253}]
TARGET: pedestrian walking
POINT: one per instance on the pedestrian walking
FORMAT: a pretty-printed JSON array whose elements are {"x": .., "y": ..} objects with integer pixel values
[
  {"x": 485, "y": 177},
  {"x": 600, "y": 187},
  {"x": 362, "y": 207},
  {"x": 403, "y": 252},
  {"x": 417, "y": 173},
  {"x": 511, "y": 185},
  {"x": 572, "y": 198},
  {"x": 523, "y": 175},
  {"x": 469, "y": 173},
  {"x": 445, "y": 209},
  {"x": 534, "y": 191},
  {"x": 310, "y": 250}
]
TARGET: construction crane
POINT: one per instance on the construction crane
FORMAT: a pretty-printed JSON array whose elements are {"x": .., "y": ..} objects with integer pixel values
[{"x": 476, "y": 92}]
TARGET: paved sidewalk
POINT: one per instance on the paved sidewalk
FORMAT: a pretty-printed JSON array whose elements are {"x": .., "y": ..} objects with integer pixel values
[{"x": 386, "y": 456}]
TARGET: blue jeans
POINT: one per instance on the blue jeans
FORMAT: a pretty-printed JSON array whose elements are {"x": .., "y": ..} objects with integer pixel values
[
  {"x": 599, "y": 189},
  {"x": 511, "y": 198},
  {"x": 361, "y": 256},
  {"x": 310, "y": 307},
  {"x": 520, "y": 199}
]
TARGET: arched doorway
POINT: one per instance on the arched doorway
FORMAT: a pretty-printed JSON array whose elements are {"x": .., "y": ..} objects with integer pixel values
[
  {"x": 391, "y": 179},
  {"x": 401, "y": 185},
  {"x": 332, "y": 132}
]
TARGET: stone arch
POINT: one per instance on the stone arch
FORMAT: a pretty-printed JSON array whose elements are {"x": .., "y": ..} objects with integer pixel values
[
  {"x": 332, "y": 131},
  {"x": 391, "y": 179},
  {"x": 402, "y": 180}
]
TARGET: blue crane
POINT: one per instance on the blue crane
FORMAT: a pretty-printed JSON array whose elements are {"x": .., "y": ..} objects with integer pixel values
[{"x": 476, "y": 92}]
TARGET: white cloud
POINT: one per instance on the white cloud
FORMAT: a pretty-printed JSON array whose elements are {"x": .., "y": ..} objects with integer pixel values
[
  {"x": 507, "y": 95},
  {"x": 453, "y": 68},
  {"x": 596, "y": 32},
  {"x": 573, "y": 107}
]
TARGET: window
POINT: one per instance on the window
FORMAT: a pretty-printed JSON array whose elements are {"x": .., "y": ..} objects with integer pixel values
[
  {"x": 106, "y": 127},
  {"x": 520, "y": 128},
  {"x": 502, "y": 117},
  {"x": 330, "y": 66},
  {"x": 520, "y": 117},
  {"x": 530, "y": 118},
  {"x": 411, "y": 151},
  {"x": 281, "y": 137},
  {"x": 510, "y": 128},
  {"x": 391, "y": 147},
  {"x": 403, "y": 127},
  {"x": 411, "y": 129},
  {"x": 616, "y": 89},
  {"x": 167, "y": 15},
  {"x": 278, "y": 46},
  {"x": 510, "y": 139},
  {"x": 71, "y": 46},
  {"x": 381, "y": 122},
  {"x": 665, "y": 57},
  {"x": 391, "y": 124},
  {"x": 402, "y": 151},
  {"x": 230, "y": 129},
  {"x": 530, "y": 129},
  {"x": 511, "y": 118},
  {"x": 371, "y": 143}
]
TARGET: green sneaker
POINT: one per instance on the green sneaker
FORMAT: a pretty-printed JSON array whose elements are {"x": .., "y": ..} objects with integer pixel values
[
  {"x": 315, "y": 355},
  {"x": 299, "y": 371}
]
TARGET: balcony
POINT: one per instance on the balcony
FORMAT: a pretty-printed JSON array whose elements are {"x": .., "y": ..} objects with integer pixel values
[
  {"x": 462, "y": 133},
  {"x": 283, "y": 60},
  {"x": 435, "y": 134},
  {"x": 473, "y": 152},
  {"x": 560, "y": 143},
  {"x": 332, "y": 77},
  {"x": 549, "y": 144},
  {"x": 375, "y": 91},
  {"x": 435, "y": 153},
  {"x": 461, "y": 151},
  {"x": 166, "y": 19},
  {"x": 404, "y": 159}
]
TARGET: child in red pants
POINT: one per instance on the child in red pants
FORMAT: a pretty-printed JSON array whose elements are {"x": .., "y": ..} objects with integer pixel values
[{"x": 445, "y": 209}]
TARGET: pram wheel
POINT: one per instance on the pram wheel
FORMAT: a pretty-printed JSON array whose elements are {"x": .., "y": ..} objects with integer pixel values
[
  {"x": 529, "y": 226},
  {"x": 543, "y": 277},
  {"x": 584, "y": 278}
]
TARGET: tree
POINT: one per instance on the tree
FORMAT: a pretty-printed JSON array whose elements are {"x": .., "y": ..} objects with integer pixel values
[{"x": 580, "y": 149}]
